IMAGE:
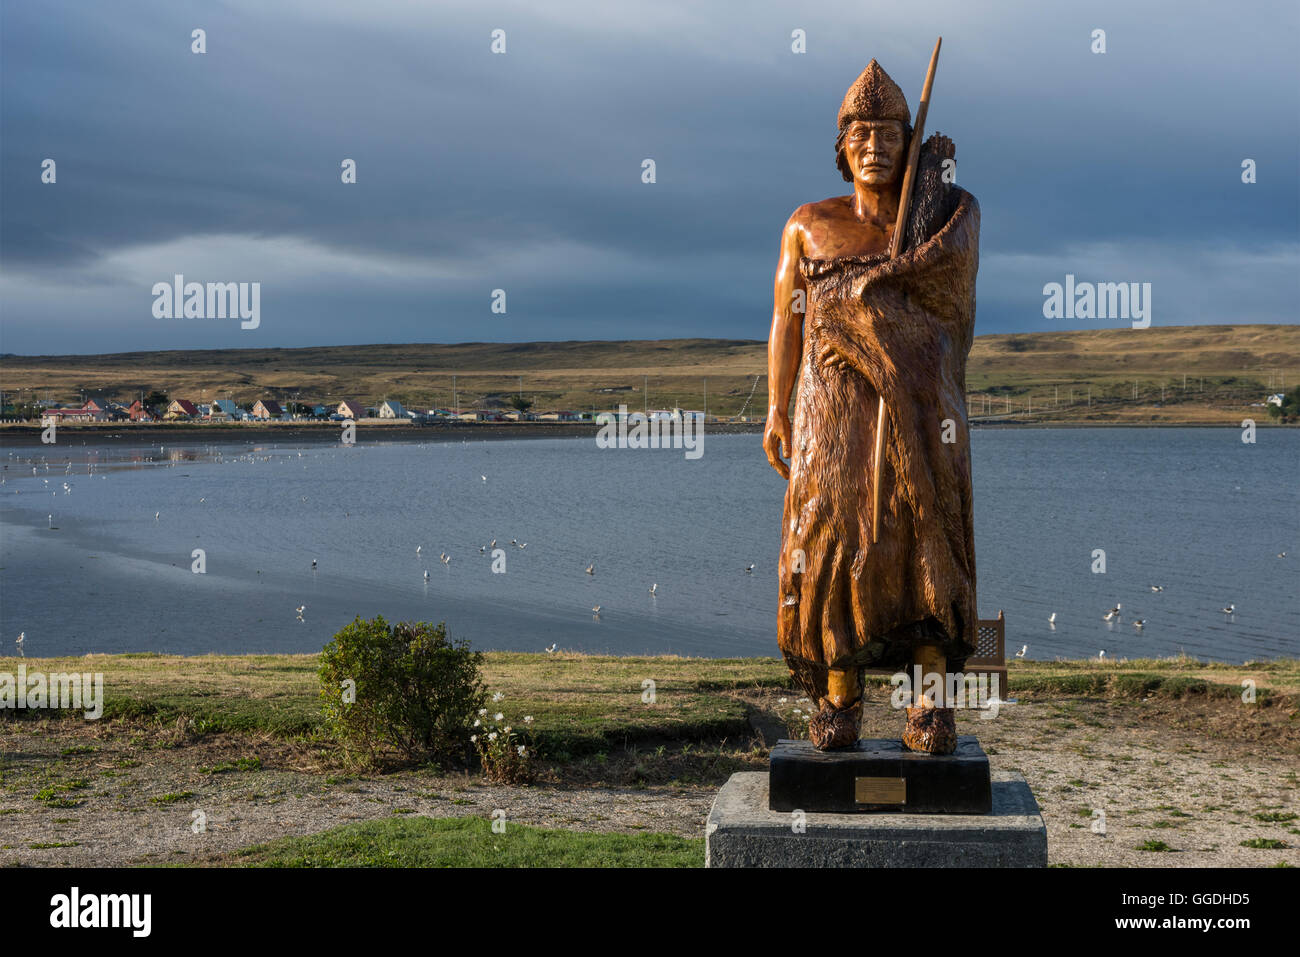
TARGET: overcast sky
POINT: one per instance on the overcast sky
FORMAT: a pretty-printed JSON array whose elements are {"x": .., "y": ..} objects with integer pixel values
[{"x": 522, "y": 171}]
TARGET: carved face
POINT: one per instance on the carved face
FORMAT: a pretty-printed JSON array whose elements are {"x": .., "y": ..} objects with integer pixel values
[{"x": 874, "y": 150}]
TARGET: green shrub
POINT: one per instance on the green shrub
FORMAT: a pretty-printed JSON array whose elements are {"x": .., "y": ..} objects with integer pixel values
[{"x": 403, "y": 688}]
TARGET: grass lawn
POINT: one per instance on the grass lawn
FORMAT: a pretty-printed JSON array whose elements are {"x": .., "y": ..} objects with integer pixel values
[
  {"x": 580, "y": 704},
  {"x": 469, "y": 842},
  {"x": 587, "y": 704}
]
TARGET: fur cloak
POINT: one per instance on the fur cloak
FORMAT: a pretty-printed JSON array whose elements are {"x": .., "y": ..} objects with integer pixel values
[{"x": 903, "y": 328}]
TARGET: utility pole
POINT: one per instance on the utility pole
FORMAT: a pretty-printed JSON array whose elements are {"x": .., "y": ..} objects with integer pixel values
[
  {"x": 455, "y": 396},
  {"x": 706, "y": 398},
  {"x": 645, "y": 395}
]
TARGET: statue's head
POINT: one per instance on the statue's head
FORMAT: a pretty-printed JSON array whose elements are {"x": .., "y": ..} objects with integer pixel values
[{"x": 874, "y": 124}]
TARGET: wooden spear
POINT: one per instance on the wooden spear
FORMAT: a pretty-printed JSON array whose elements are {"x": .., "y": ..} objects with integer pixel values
[{"x": 896, "y": 247}]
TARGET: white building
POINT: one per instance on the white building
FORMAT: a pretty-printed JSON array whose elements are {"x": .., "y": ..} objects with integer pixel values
[{"x": 392, "y": 409}]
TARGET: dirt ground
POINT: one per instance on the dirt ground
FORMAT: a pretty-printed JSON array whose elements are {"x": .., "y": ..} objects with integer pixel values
[{"x": 1196, "y": 777}]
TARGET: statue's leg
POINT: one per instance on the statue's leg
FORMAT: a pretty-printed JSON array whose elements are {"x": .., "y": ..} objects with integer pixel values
[
  {"x": 930, "y": 728},
  {"x": 842, "y": 687},
  {"x": 839, "y": 722}
]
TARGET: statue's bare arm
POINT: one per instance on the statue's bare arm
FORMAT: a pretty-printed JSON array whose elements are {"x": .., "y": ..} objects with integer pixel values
[{"x": 785, "y": 343}]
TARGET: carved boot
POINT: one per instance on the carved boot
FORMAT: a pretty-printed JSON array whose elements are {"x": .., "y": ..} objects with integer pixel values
[
  {"x": 833, "y": 727},
  {"x": 931, "y": 730}
]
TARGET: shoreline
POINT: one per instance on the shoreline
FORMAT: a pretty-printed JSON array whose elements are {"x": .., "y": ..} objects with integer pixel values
[
  {"x": 14, "y": 434},
  {"x": 24, "y": 434}
]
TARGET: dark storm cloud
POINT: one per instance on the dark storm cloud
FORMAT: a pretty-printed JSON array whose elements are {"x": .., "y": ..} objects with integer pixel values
[{"x": 523, "y": 171}]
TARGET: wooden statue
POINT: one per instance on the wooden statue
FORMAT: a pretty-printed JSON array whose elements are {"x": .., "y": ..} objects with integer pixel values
[{"x": 878, "y": 346}]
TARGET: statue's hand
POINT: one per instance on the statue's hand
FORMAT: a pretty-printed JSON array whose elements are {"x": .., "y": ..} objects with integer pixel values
[
  {"x": 776, "y": 442},
  {"x": 834, "y": 362}
]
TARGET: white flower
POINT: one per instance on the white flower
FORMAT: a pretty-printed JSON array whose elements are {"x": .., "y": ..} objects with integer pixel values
[
  {"x": 473, "y": 738},
  {"x": 508, "y": 729},
  {"x": 528, "y": 719},
  {"x": 498, "y": 716},
  {"x": 498, "y": 696},
  {"x": 492, "y": 736},
  {"x": 521, "y": 749},
  {"x": 477, "y": 722},
  {"x": 482, "y": 711},
  {"x": 797, "y": 711},
  {"x": 781, "y": 701}
]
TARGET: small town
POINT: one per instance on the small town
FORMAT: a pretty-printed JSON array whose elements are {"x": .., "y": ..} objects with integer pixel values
[{"x": 158, "y": 407}]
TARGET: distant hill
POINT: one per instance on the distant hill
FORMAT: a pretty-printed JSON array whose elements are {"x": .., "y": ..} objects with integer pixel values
[{"x": 1028, "y": 370}]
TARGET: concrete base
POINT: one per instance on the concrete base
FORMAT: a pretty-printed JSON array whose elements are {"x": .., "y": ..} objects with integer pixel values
[{"x": 742, "y": 832}]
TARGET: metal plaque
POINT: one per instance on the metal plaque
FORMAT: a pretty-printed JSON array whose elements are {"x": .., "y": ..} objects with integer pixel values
[{"x": 880, "y": 790}]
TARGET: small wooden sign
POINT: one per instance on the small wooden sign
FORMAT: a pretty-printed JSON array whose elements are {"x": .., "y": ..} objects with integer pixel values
[{"x": 880, "y": 790}]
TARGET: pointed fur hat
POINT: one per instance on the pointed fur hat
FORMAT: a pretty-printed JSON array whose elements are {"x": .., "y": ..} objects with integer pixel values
[{"x": 874, "y": 96}]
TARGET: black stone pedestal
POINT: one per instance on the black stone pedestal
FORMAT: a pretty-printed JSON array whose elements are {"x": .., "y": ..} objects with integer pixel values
[{"x": 880, "y": 775}]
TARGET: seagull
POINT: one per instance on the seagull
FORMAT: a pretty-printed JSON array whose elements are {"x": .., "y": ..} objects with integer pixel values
[
  {"x": 1102, "y": 653},
  {"x": 523, "y": 544},
  {"x": 492, "y": 544},
  {"x": 1281, "y": 554},
  {"x": 313, "y": 563},
  {"x": 1230, "y": 609},
  {"x": 482, "y": 549},
  {"x": 483, "y": 477},
  {"x": 1139, "y": 623},
  {"x": 202, "y": 500},
  {"x": 446, "y": 559},
  {"x": 426, "y": 574},
  {"x": 1051, "y": 619},
  {"x": 418, "y": 549},
  {"x": 1157, "y": 587},
  {"x": 749, "y": 569},
  {"x": 596, "y": 609},
  {"x": 155, "y": 515},
  {"x": 21, "y": 636},
  {"x": 551, "y": 650},
  {"x": 654, "y": 588},
  {"x": 301, "y": 609},
  {"x": 591, "y": 569},
  {"x": 1112, "y": 614},
  {"x": 514, "y": 541},
  {"x": 1021, "y": 652}
]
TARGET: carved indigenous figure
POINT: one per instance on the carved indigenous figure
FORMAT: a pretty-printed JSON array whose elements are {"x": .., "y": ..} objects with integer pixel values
[{"x": 852, "y": 326}]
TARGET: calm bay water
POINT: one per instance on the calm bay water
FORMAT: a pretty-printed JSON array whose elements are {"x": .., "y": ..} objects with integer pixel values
[{"x": 1194, "y": 510}]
